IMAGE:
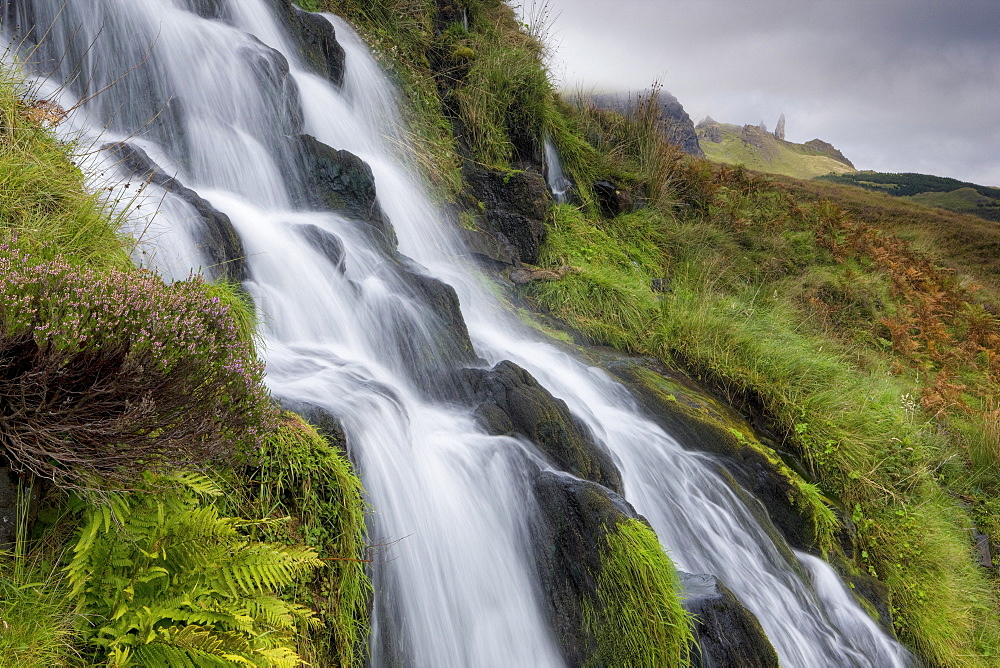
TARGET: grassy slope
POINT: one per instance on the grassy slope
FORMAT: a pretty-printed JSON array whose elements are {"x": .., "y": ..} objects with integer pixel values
[
  {"x": 854, "y": 348},
  {"x": 775, "y": 157},
  {"x": 778, "y": 301},
  {"x": 967, "y": 244},
  {"x": 934, "y": 191}
]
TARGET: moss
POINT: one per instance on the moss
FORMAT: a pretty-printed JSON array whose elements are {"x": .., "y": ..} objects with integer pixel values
[
  {"x": 308, "y": 488},
  {"x": 637, "y": 620}
]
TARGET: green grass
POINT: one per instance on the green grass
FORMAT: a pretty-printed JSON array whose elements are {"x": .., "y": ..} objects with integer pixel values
[
  {"x": 762, "y": 309},
  {"x": 307, "y": 489},
  {"x": 44, "y": 203},
  {"x": 37, "y": 618},
  {"x": 638, "y": 620}
]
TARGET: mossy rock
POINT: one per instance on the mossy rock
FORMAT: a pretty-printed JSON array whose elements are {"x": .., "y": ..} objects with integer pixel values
[
  {"x": 728, "y": 634},
  {"x": 516, "y": 203},
  {"x": 612, "y": 593},
  {"x": 510, "y": 401},
  {"x": 700, "y": 423}
]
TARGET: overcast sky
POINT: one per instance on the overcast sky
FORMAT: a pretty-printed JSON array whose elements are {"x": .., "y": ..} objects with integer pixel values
[{"x": 897, "y": 85}]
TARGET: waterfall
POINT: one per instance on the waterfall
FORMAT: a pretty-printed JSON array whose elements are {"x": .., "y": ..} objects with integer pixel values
[
  {"x": 558, "y": 183},
  {"x": 220, "y": 100}
]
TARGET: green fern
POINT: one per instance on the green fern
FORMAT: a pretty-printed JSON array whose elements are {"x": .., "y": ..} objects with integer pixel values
[{"x": 164, "y": 580}]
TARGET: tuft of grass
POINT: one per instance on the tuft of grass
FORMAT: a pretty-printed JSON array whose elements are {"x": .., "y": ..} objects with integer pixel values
[
  {"x": 638, "y": 619},
  {"x": 44, "y": 203},
  {"x": 609, "y": 291}
]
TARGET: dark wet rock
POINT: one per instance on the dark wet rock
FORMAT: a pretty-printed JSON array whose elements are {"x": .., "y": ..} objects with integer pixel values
[
  {"x": 327, "y": 243},
  {"x": 487, "y": 248},
  {"x": 611, "y": 200},
  {"x": 443, "y": 304},
  {"x": 8, "y": 509},
  {"x": 316, "y": 40},
  {"x": 510, "y": 401},
  {"x": 524, "y": 234},
  {"x": 340, "y": 181},
  {"x": 516, "y": 204},
  {"x": 575, "y": 519},
  {"x": 728, "y": 635},
  {"x": 749, "y": 468},
  {"x": 208, "y": 9},
  {"x": 30, "y": 493},
  {"x": 660, "y": 285},
  {"x": 216, "y": 236},
  {"x": 272, "y": 72},
  {"x": 874, "y": 595},
  {"x": 20, "y": 18}
]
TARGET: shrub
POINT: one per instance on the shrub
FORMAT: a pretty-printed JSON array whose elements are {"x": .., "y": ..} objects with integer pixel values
[{"x": 109, "y": 373}]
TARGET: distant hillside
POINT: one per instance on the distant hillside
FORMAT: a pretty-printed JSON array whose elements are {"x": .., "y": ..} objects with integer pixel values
[
  {"x": 763, "y": 151},
  {"x": 937, "y": 191},
  {"x": 675, "y": 125}
]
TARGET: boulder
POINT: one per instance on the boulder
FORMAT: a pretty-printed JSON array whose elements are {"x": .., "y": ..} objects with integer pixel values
[
  {"x": 728, "y": 635},
  {"x": 516, "y": 204},
  {"x": 341, "y": 182},
  {"x": 611, "y": 200},
  {"x": 510, "y": 401},
  {"x": 327, "y": 243},
  {"x": 453, "y": 344},
  {"x": 216, "y": 236},
  {"x": 316, "y": 40},
  {"x": 488, "y": 249},
  {"x": 574, "y": 520},
  {"x": 272, "y": 72}
]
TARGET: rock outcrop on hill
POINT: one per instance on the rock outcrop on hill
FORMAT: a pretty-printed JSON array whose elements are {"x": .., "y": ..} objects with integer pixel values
[{"x": 675, "y": 123}]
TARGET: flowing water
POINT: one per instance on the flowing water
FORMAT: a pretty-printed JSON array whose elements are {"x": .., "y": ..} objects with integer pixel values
[
  {"x": 558, "y": 183},
  {"x": 217, "y": 96}
]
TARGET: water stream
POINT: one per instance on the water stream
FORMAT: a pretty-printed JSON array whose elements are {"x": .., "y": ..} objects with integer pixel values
[{"x": 212, "y": 102}]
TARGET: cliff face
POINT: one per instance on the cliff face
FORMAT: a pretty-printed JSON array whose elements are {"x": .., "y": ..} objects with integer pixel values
[{"x": 675, "y": 123}]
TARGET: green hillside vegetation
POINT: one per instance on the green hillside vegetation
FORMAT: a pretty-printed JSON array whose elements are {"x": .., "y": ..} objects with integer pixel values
[
  {"x": 850, "y": 327},
  {"x": 118, "y": 555},
  {"x": 872, "y": 363},
  {"x": 936, "y": 191},
  {"x": 763, "y": 152}
]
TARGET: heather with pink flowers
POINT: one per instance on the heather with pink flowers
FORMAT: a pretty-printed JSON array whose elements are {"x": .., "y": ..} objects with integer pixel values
[{"x": 107, "y": 373}]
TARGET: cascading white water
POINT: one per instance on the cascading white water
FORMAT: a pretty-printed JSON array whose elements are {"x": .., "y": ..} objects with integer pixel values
[{"x": 461, "y": 588}]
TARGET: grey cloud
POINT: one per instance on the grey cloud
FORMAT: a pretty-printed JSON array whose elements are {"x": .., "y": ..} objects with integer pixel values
[{"x": 898, "y": 86}]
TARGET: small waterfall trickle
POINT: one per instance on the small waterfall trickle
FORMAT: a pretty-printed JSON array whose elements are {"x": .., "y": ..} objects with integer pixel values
[
  {"x": 225, "y": 104},
  {"x": 559, "y": 185}
]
